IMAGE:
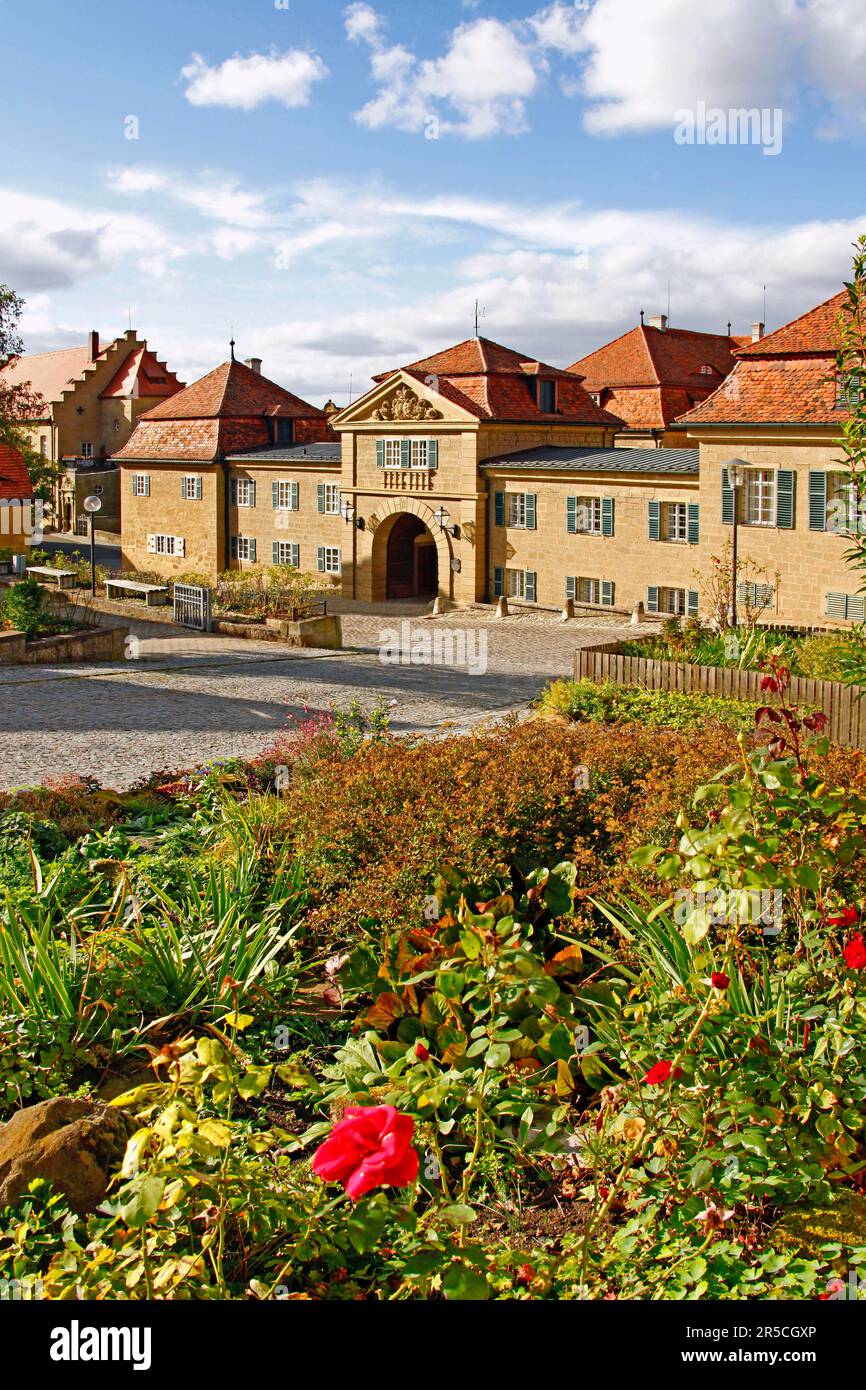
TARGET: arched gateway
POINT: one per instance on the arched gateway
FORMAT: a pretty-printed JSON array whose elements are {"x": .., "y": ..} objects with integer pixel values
[{"x": 411, "y": 554}]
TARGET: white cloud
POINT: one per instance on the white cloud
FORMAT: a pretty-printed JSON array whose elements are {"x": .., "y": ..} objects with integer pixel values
[
  {"x": 214, "y": 196},
  {"x": 244, "y": 83}
]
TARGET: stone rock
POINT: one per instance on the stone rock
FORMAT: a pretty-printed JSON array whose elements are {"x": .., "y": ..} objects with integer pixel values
[{"x": 76, "y": 1145}]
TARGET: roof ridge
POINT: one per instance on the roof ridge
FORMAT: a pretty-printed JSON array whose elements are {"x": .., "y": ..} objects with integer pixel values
[{"x": 756, "y": 349}]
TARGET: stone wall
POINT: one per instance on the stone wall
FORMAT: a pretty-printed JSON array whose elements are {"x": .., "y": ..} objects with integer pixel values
[{"x": 95, "y": 644}]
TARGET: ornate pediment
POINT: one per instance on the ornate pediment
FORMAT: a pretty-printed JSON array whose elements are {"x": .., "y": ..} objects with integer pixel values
[{"x": 404, "y": 404}]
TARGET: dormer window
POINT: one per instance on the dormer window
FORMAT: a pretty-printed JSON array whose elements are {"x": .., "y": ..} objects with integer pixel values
[
  {"x": 544, "y": 394},
  {"x": 706, "y": 369},
  {"x": 849, "y": 391},
  {"x": 280, "y": 431}
]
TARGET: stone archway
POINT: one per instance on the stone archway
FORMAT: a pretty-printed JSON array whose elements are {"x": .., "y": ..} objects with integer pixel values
[{"x": 397, "y": 525}]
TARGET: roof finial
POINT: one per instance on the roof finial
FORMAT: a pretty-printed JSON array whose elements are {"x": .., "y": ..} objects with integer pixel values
[
  {"x": 729, "y": 328},
  {"x": 232, "y": 344},
  {"x": 641, "y": 318}
]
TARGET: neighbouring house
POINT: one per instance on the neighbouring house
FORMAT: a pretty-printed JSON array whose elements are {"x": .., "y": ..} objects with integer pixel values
[
  {"x": 94, "y": 396},
  {"x": 655, "y": 373},
  {"x": 231, "y": 472},
  {"x": 780, "y": 414},
  {"x": 16, "y": 502}
]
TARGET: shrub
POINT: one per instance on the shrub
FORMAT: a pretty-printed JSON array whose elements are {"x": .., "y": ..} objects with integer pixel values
[
  {"x": 612, "y": 704},
  {"x": 824, "y": 658},
  {"x": 26, "y": 608}
]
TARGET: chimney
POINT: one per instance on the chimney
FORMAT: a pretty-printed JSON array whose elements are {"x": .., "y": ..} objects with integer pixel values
[
  {"x": 757, "y": 332},
  {"x": 94, "y": 345},
  {"x": 254, "y": 364},
  {"x": 659, "y": 321}
]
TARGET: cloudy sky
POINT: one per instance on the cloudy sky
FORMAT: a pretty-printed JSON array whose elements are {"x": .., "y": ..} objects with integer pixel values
[{"x": 339, "y": 183}]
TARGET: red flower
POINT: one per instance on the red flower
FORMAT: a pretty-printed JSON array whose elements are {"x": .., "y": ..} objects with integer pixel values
[
  {"x": 421, "y": 1052},
  {"x": 848, "y": 917},
  {"x": 525, "y": 1275},
  {"x": 371, "y": 1147},
  {"x": 719, "y": 980},
  {"x": 660, "y": 1072},
  {"x": 855, "y": 953}
]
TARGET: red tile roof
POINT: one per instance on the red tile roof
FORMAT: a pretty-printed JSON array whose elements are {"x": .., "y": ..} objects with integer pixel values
[
  {"x": 235, "y": 390},
  {"x": 141, "y": 375},
  {"x": 15, "y": 481},
  {"x": 651, "y": 375},
  {"x": 787, "y": 377},
  {"x": 491, "y": 382}
]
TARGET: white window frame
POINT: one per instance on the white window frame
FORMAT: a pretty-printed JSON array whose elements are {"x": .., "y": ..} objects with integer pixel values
[
  {"x": 841, "y": 502},
  {"x": 515, "y": 584},
  {"x": 673, "y": 602},
  {"x": 288, "y": 547},
  {"x": 332, "y": 501},
  {"x": 589, "y": 520},
  {"x": 759, "y": 497},
  {"x": 419, "y": 453},
  {"x": 286, "y": 488},
  {"x": 243, "y": 544},
  {"x": 86, "y": 449},
  {"x": 196, "y": 494},
  {"x": 675, "y": 522},
  {"x": 141, "y": 484},
  {"x": 393, "y": 453},
  {"x": 172, "y": 546},
  {"x": 332, "y": 557},
  {"x": 587, "y": 590},
  {"x": 515, "y": 511},
  {"x": 244, "y": 492}
]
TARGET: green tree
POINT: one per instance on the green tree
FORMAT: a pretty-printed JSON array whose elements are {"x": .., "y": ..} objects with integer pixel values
[{"x": 19, "y": 402}]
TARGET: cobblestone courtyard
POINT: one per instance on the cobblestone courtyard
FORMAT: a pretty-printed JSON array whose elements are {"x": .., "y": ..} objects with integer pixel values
[{"x": 190, "y": 698}]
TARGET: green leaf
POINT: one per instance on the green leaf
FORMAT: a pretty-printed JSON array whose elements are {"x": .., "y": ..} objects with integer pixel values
[
  {"x": 497, "y": 1055},
  {"x": 461, "y": 1283},
  {"x": 458, "y": 1214}
]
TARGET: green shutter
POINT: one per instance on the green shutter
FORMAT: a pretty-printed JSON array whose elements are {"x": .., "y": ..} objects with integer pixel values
[
  {"x": 320, "y": 497},
  {"x": 432, "y": 453},
  {"x": 295, "y": 556},
  {"x": 836, "y": 605},
  {"x": 607, "y": 592},
  {"x": 785, "y": 482},
  {"x": 234, "y": 547},
  {"x": 132, "y": 478},
  {"x": 655, "y": 520},
  {"x": 693, "y": 600},
  {"x": 320, "y": 559},
  {"x": 275, "y": 497},
  {"x": 234, "y": 492},
  {"x": 570, "y": 585},
  {"x": 727, "y": 500},
  {"x": 275, "y": 553},
  {"x": 571, "y": 520},
  {"x": 530, "y": 499},
  {"x": 694, "y": 523},
  {"x": 147, "y": 484},
  {"x": 499, "y": 508},
  {"x": 529, "y": 586},
  {"x": 498, "y": 581},
  {"x": 183, "y": 488},
  {"x": 855, "y": 608},
  {"x": 607, "y": 516},
  {"x": 817, "y": 501},
  {"x": 652, "y": 599},
  {"x": 405, "y": 453},
  {"x": 293, "y": 496},
  {"x": 252, "y": 494},
  {"x": 380, "y": 453}
]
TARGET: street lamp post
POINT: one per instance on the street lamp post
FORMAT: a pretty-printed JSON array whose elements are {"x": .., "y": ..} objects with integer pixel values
[
  {"x": 92, "y": 505},
  {"x": 736, "y": 475}
]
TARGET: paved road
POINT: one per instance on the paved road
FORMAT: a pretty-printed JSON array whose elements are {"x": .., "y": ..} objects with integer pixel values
[
  {"x": 187, "y": 699},
  {"x": 106, "y": 554}
]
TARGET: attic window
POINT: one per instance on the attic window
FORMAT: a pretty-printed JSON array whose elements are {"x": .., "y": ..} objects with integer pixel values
[
  {"x": 280, "y": 430},
  {"x": 849, "y": 391},
  {"x": 706, "y": 370},
  {"x": 544, "y": 394}
]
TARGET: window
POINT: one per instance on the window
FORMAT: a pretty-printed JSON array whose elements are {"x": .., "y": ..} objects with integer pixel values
[
  {"x": 285, "y": 496},
  {"x": 286, "y": 553},
  {"x": 243, "y": 492},
  {"x": 588, "y": 515},
  {"x": 706, "y": 369},
  {"x": 328, "y": 497},
  {"x": 675, "y": 521},
  {"x": 407, "y": 453},
  {"x": 547, "y": 397},
  {"x": 515, "y": 583},
  {"x": 759, "y": 497},
  {"x": 587, "y": 590},
  {"x": 98, "y": 490},
  {"x": 672, "y": 601},
  {"x": 515, "y": 509},
  {"x": 281, "y": 431},
  {"x": 87, "y": 450},
  {"x": 849, "y": 608},
  {"x": 191, "y": 488},
  {"x": 330, "y": 559},
  {"x": 849, "y": 391},
  {"x": 243, "y": 548},
  {"x": 841, "y": 502},
  {"x": 141, "y": 484},
  {"x": 166, "y": 545}
]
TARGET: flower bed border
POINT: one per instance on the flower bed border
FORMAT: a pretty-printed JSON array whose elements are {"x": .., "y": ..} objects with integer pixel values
[{"x": 846, "y": 713}]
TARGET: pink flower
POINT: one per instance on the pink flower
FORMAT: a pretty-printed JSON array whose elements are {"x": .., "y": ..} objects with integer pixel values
[
  {"x": 660, "y": 1072},
  {"x": 855, "y": 953},
  {"x": 371, "y": 1147}
]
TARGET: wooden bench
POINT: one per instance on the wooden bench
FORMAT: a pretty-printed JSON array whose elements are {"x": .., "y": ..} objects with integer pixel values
[
  {"x": 154, "y": 594},
  {"x": 66, "y": 579}
]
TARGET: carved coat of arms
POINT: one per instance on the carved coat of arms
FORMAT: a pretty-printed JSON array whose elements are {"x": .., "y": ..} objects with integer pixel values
[{"x": 405, "y": 405}]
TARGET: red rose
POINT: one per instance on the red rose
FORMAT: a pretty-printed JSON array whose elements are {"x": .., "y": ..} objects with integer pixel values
[
  {"x": 370, "y": 1147},
  {"x": 719, "y": 980},
  {"x": 660, "y": 1072},
  {"x": 421, "y": 1052},
  {"x": 848, "y": 917},
  {"x": 855, "y": 953}
]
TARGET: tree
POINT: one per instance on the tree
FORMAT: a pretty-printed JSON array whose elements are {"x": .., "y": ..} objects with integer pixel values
[
  {"x": 851, "y": 375},
  {"x": 19, "y": 403}
]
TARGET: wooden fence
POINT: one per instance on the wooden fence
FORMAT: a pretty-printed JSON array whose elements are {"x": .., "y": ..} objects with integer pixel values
[{"x": 846, "y": 713}]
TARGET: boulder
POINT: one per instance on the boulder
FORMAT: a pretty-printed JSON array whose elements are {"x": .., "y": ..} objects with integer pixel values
[{"x": 76, "y": 1145}]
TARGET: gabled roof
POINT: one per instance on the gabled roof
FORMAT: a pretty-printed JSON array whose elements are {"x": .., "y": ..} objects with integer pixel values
[
  {"x": 655, "y": 374},
  {"x": 565, "y": 459},
  {"x": 234, "y": 391},
  {"x": 492, "y": 382},
  {"x": 15, "y": 484},
  {"x": 814, "y": 332},
  {"x": 50, "y": 373},
  {"x": 141, "y": 375}
]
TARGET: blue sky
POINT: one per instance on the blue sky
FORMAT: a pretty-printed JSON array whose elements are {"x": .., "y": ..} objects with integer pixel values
[{"x": 339, "y": 182}]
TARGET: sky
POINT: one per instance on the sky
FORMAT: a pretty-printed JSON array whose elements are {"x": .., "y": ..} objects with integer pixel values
[{"x": 338, "y": 184}]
